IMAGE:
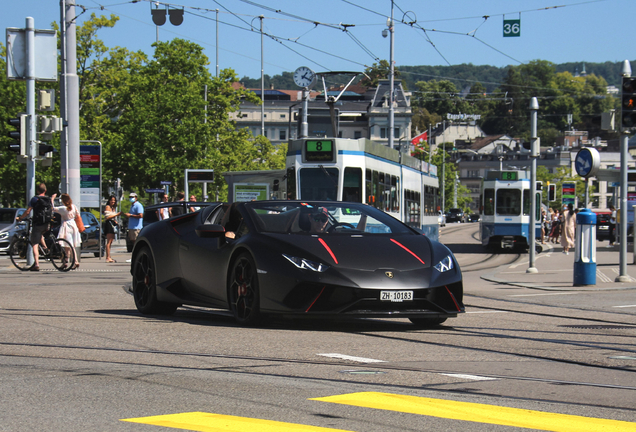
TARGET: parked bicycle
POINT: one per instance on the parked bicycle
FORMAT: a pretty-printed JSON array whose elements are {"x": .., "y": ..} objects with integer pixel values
[{"x": 58, "y": 252}]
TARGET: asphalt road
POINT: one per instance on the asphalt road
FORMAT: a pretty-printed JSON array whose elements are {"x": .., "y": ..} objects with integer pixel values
[{"x": 76, "y": 356}]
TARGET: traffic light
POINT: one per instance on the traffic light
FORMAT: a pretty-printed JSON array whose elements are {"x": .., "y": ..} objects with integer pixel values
[
  {"x": 552, "y": 192},
  {"x": 43, "y": 149},
  {"x": 628, "y": 106},
  {"x": 20, "y": 135}
]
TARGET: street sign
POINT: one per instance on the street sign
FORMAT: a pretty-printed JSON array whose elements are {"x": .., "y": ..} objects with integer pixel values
[
  {"x": 90, "y": 175},
  {"x": 512, "y": 28},
  {"x": 587, "y": 162},
  {"x": 165, "y": 183},
  {"x": 154, "y": 190},
  {"x": 568, "y": 194}
]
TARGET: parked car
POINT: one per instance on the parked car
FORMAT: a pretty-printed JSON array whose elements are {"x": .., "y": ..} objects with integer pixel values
[
  {"x": 455, "y": 215},
  {"x": 9, "y": 227},
  {"x": 603, "y": 224},
  {"x": 92, "y": 236},
  {"x": 316, "y": 260}
]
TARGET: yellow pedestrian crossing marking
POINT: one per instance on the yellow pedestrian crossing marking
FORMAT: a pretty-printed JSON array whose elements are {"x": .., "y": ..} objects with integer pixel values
[
  {"x": 208, "y": 422},
  {"x": 479, "y": 413}
]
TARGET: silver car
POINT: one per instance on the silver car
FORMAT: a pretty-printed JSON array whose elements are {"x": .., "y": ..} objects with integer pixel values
[{"x": 9, "y": 227}]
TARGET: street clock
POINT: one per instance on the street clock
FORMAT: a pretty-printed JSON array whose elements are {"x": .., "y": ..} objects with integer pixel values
[{"x": 304, "y": 77}]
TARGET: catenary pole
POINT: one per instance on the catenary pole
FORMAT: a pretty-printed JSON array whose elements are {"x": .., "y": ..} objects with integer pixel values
[
  {"x": 623, "y": 277},
  {"x": 30, "y": 107}
]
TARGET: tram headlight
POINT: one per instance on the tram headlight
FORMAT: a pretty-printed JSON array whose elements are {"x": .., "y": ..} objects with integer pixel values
[{"x": 444, "y": 265}]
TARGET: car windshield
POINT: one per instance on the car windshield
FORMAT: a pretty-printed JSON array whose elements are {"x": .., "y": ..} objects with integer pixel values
[
  {"x": 291, "y": 217},
  {"x": 7, "y": 217}
]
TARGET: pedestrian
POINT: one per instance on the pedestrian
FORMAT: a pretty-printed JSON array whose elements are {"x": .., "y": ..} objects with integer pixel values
[
  {"x": 135, "y": 217},
  {"x": 193, "y": 198},
  {"x": 556, "y": 227},
  {"x": 612, "y": 227},
  {"x": 68, "y": 229},
  {"x": 40, "y": 222},
  {"x": 544, "y": 220},
  {"x": 180, "y": 209},
  {"x": 568, "y": 225},
  {"x": 110, "y": 225},
  {"x": 164, "y": 212}
]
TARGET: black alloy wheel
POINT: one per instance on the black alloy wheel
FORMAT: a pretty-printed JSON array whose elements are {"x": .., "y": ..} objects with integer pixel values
[
  {"x": 144, "y": 286},
  {"x": 243, "y": 291}
]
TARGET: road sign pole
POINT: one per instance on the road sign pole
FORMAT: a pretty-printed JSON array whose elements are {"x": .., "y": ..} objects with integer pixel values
[
  {"x": 534, "y": 153},
  {"x": 30, "y": 108}
]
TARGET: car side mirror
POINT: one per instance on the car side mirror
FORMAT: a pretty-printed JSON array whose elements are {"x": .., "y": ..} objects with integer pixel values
[{"x": 210, "y": 231}]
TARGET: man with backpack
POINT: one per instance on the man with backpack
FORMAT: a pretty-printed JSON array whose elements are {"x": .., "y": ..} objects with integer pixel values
[{"x": 40, "y": 222}]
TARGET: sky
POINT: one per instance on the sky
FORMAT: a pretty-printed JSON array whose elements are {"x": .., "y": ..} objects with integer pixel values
[{"x": 346, "y": 35}]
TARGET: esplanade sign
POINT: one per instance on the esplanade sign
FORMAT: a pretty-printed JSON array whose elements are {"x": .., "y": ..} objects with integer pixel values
[{"x": 463, "y": 116}]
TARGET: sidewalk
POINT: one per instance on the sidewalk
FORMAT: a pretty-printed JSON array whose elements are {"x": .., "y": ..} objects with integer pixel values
[{"x": 556, "y": 270}]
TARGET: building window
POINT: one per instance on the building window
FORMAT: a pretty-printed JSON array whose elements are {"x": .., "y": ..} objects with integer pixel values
[
  {"x": 282, "y": 116},
  {"x": 282, "y": 134},
  {"x": 396, "y": 133},
  {"x": 357, "y": 134},
  {"x": 382, "y": 132}
]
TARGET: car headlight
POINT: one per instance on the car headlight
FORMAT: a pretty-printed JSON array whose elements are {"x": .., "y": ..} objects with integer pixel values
[
  {"x": 4, "y": 235},
  {"x": 306, "y": 264},
  {"x": 444, "y": 265}
]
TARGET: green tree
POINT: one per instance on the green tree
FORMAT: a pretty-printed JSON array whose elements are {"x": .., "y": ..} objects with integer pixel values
[{"x": 377, "y": 72}]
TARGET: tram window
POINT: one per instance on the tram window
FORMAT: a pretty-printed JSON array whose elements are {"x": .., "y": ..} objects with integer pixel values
[
  {"x": 291, "y": 183},
  {"x": 368, "y": 181},
  {"x": 489, "y": 201},
  {"x": 319, "y": 184},
  {"x": 376, "y": 189},
  {"x": 508, "y": 202},
  {"x": 526, "y": 202},
  {"x": 352, "y": 189}
]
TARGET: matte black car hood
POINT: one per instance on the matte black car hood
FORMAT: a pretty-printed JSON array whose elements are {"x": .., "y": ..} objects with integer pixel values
[{"x": 371, "y": 252}]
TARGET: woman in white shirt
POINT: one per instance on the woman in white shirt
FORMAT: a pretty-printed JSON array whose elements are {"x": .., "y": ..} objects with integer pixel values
[{"x": 68, "y": 229}]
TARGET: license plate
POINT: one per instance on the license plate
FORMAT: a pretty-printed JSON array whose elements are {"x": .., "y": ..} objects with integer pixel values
[{"x": 396, "y": 296}]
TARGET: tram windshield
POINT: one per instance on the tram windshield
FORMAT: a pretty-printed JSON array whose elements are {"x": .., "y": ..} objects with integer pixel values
[
  {"x": 319, "y": 183},
  {"x": 508, "y": 202}
]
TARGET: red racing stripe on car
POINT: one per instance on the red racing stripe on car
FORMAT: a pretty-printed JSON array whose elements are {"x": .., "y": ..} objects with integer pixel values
[
  {"x": 453, "y": 297},
  {"x": 328, "y": 250},
  {"x": 407, "y": 249},
  {"x": 316, "y": 299}
]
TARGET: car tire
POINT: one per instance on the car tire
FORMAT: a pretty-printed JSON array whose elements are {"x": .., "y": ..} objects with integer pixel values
[
  {"x": 427, "y": 322},
  {"x": 144, "y": 286},
  {"x": 243, "y": 292}
]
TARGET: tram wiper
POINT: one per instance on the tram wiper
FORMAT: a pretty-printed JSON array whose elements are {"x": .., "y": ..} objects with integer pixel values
[{"x": 328, "y": 175}]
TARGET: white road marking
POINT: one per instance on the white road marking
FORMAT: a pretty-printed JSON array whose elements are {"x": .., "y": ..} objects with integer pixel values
[
  {"x": 624, "y": 306},
  {"x": 485, "y": 312},
  {"x": 352, "y": 358},
  {"x": 470, "y": 377},
  {"x": 603, "y": 277},
  {"x": 545, "y": 294}
]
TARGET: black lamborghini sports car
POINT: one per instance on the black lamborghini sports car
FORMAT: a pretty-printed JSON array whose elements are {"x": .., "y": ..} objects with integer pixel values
[{"x": 296, "y": 259}]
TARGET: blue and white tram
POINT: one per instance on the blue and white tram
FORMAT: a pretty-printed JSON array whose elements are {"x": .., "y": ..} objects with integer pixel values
[
  {"x": 505, "y": 215},
  {"x": 360, "y": 170}
]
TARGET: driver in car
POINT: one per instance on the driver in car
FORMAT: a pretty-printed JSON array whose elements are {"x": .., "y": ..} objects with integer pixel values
[{"x": 318, "y": 220}]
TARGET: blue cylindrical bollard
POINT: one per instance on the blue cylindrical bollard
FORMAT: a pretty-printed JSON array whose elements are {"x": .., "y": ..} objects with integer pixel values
[{"x": 585, "y": 249}]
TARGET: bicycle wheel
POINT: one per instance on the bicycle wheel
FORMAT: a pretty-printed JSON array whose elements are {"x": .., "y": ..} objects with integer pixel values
[
  {"x": 19, "y": 252},
  {"x": 61, "y": 254}
]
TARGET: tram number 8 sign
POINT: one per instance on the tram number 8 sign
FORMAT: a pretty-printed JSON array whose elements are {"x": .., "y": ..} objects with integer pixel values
[{"x": 319, "y": 151}]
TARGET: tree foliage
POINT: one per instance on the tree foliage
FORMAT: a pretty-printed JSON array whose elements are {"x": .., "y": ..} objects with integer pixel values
[{"x": 150, "y": 115}]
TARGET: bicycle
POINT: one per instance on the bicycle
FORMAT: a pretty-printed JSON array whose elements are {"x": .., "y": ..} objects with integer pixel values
[{"x": 58, "y": 252}]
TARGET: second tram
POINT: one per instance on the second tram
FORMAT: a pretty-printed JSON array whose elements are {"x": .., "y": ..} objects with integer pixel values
[{"x": 505, "y": 210}]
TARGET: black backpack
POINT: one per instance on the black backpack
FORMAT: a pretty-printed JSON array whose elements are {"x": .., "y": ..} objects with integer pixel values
[{"x": 43, "y": 211}]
